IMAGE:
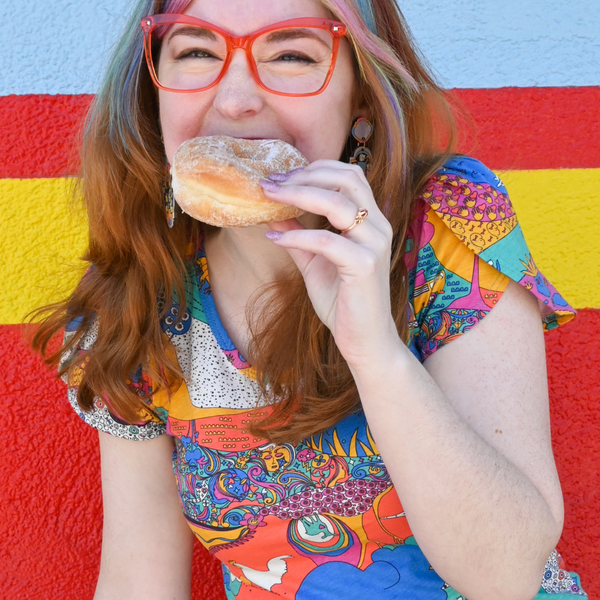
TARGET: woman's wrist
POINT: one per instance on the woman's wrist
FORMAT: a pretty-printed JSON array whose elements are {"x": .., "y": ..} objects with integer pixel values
[{"x": 375, "y": 366}]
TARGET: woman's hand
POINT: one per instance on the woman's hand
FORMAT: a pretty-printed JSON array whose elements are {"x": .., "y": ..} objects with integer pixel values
[{"x": 346, "y": 275}]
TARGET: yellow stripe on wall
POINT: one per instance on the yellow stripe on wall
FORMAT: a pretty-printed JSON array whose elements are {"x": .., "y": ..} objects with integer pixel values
[
  {"x": 42, "y": 239},
  {"x": 43, "y": 236},
  {"x": 559, "y": 211}
]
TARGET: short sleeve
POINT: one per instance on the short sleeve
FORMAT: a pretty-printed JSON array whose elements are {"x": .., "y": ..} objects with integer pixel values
[
  {"x": 152, "y": 421},
  {"x": 469, "y": 245}
]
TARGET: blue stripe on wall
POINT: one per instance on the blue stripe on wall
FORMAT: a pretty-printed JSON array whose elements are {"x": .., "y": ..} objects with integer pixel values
[
  {"x": 501, "y": 43},
  {"x": 57, "y": 46},
  {"x": 61, "y": 46}
]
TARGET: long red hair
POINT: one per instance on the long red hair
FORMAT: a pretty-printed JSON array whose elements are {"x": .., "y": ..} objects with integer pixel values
[{"x": 134, "y": 256}]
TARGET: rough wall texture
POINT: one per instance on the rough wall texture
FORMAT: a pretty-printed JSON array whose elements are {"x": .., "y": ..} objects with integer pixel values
[
  {"x": 547, "y": 136},
  {"x": 484, "y": 44}
]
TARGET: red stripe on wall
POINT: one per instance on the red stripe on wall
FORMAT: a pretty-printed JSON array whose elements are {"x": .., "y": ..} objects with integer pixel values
[
  {"x": 573, "y": 354},
  {"x": 39, "y": 134},
  {"x": 518, "y": 128},
  {"x": 50, "y": 480},
  {"x": 534, "y": 128},
  {"x": 50, "y": 489}
]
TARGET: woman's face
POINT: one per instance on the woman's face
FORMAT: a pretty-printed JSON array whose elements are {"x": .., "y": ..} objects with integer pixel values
[{"x": 317, "y": 125}]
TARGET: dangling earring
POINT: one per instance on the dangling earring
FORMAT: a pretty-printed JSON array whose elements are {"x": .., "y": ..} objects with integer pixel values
[
  {"x": 169, "y": 199},
  {"x": 361, "y": 132}
]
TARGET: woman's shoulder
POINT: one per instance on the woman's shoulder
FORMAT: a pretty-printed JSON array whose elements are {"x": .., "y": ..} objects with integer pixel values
[
  {"x": 472, "y": 169},
  {"x": 101, "y": 415},
  {"x": 473, "y": 204},
  {"x": 465, "y": 190},
  {"x": 467, "y": 246}
]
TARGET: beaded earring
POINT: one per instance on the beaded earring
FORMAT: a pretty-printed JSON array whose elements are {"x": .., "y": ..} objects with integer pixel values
[
  {"x": 169, "y": 199},
  {"x": 362, "y": 130}
]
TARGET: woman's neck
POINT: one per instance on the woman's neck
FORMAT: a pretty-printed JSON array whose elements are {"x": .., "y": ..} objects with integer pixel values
[
  {"x": 243, "y": 256},
  {"x": 241, "y": 261}
]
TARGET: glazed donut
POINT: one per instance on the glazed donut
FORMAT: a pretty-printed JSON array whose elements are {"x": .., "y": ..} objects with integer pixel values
[{"x": 215, "y": 179}]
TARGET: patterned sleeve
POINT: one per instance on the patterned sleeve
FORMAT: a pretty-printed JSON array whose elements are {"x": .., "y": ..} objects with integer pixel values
[
  {"x": 152, "y": 422},
  {"x": 470, "y": 245}
]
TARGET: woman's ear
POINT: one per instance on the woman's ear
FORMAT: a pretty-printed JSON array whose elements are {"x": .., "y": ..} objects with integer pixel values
[
  {"x": 364, "y": 112},
  {"x": 361, "y": 105}
]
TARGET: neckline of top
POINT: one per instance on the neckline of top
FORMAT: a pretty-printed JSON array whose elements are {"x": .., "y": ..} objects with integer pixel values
[{"x": 212, "y": 316}]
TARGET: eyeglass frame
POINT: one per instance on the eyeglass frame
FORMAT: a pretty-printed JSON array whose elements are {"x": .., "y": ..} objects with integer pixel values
[{"x": 149, "y": 23}]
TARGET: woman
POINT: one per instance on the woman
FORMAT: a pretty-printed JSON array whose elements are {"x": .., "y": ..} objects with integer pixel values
[{"x": 345, "y": 315}]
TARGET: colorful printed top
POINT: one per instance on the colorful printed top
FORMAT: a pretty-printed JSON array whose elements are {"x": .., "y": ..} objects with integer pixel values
[{"x": 321, "y": 519}]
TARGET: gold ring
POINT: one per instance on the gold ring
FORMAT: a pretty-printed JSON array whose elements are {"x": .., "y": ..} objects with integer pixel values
[{"x": 361, "y": 215}]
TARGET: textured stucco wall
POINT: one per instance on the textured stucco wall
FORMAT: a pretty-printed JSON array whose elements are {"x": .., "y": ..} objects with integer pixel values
[
  {"x": 543, "y": 135},
  {"x": 484, "y": 44}
]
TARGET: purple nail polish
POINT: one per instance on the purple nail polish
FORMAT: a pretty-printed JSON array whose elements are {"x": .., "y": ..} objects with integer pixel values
[
  {"x": 270, "y": 186},
  {"x": 273, "y": 235},
  {"x": 284, "y": 176},
  {"x": 279, "y": 176}
]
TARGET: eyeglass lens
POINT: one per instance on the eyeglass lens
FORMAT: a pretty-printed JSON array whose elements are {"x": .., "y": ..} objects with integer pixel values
[{"x": 289, "y": 60}]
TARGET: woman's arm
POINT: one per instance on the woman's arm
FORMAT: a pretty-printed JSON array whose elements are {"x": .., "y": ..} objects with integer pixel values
[
  {"x": 146, "y": 543},
  {"x": 466, "y": 438},
  {"x": 467, "y": 443}
]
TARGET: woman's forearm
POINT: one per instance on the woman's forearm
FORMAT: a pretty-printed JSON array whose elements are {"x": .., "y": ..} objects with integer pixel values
[{"x": 480, "y": 521}]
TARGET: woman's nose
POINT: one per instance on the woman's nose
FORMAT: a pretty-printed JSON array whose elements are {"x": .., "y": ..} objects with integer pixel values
[{"x": 238, "y": 94}]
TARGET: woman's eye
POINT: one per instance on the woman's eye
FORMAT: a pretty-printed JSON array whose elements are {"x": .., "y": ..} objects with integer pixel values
[
  {"x": 295, "y": 58},
  {"x": 196, "y": 53}
]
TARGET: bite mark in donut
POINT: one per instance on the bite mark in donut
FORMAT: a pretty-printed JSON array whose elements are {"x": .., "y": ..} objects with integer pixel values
[{"x": 215, "y": 179}]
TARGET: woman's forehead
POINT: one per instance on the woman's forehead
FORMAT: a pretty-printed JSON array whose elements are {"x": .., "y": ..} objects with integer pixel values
[{"x": 241, "y": 17}]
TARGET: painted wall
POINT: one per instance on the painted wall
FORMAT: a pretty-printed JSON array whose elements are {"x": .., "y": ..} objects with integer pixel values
[{"x": 530, "y": 74}]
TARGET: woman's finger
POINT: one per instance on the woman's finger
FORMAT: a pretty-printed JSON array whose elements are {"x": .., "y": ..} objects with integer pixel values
[
  {"x": 349, "y": 180},
  {"x": 324, "y": 163},
  {"x": 333, "y": 205},
  {"x": 301, "y": 257},
  {"x": 349, "y": 258}
]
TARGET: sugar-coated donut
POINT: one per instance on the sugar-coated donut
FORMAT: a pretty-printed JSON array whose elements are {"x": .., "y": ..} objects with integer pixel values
[{"x": 215, "y": 179}]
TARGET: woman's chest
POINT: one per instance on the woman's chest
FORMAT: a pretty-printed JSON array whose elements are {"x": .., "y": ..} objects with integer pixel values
[{"x": 330, "y": 486}]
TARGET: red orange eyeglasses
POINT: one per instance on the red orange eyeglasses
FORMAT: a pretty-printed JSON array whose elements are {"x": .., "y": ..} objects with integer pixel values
[{"x": 290, "y": 58}]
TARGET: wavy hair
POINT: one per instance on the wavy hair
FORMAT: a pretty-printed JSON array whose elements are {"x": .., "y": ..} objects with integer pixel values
[{"x": 134, "y": 257}]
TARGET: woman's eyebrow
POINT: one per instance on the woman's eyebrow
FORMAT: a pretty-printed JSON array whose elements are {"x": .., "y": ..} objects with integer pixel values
[
  {"x": 291, "y": 34},
  {"x": 198, "y": 32}
]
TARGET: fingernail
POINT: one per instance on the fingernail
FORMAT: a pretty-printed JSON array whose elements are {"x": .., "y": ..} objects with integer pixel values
[
  {"x": 284, "y": 176},
  {"x": 270, "y": 186},
  {"x": 273, "y": 235},
  {"x": 279, "y": 176}
]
